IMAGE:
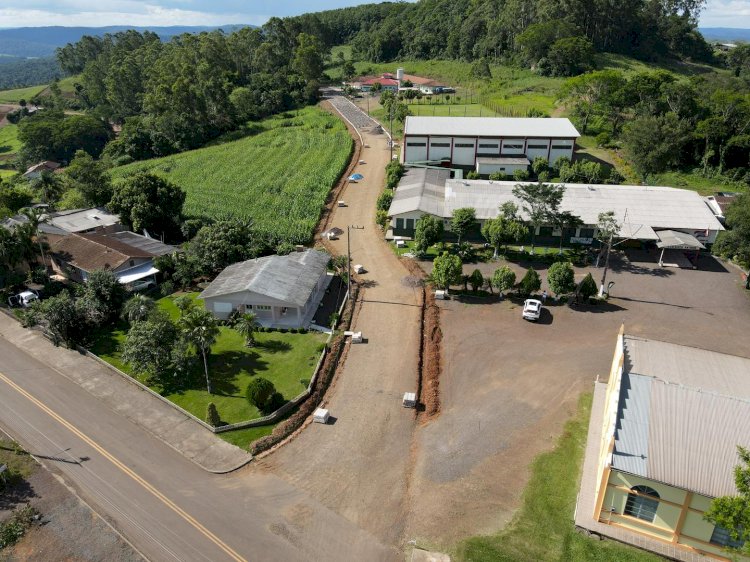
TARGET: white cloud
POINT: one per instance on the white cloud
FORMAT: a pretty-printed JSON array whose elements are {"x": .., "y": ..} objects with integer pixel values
[
  {"x": 121, "y": 12},
  {"x": 726, "y": 13}
]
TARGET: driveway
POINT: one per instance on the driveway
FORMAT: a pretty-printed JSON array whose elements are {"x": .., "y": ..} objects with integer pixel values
[
  {"x": 359, "y": 465},
  {"x": 508, "y": 385}
]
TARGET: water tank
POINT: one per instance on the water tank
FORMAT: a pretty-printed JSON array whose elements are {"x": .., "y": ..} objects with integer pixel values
[{"x": 399, "y": 74}]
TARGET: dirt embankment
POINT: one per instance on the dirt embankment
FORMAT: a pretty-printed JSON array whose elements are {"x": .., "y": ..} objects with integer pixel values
[{"x": 430, "y": 349}]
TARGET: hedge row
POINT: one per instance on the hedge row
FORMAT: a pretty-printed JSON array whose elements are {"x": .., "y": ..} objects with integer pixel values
[{"x": 327, "y": 371}]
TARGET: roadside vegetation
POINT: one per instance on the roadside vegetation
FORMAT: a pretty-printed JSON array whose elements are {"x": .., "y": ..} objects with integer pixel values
[
  {"x": 543, "y": 527},
  {"x": 287, "y": 359},
  {"x": 279, "y": 176}
]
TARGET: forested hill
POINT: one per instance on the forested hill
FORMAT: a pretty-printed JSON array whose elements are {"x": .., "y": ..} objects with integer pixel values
[
  {"x": 42, "y": 41},
  {"x": 471, "y": 29}
]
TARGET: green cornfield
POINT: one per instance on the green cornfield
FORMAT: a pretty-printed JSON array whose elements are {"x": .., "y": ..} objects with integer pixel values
[{"x": 279, "y": 176}]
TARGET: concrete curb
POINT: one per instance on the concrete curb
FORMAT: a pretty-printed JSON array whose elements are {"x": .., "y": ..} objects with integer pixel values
[{"x": 160, "y": 435}]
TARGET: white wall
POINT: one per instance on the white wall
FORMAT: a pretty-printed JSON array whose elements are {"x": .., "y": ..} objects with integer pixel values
[
  {"x": 533, "y": 152},
  {"x": 463, "y": 151},
  {"x": 437, "y": 150},
  {"x": 415, "y": 149},
  {"x": 559, "y": 149}
]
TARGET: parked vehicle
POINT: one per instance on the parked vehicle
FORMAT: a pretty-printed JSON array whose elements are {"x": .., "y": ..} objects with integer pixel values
[
  {"x": 532, "y": 309},
  {"x": 23, "y": 299},
  {"x": 142, "y": 285}
]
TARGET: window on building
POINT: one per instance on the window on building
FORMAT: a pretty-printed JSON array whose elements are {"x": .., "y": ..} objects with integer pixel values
[
  {"x": 487, "y": 145},
  {"x": 440, "y": 145},
  {"x": 586, "y": 233},
  {"x": 464, "y": 145},
  {"x": 262, "y": 307},
  {"x": 544, "y": 146},
  {"x": 561, "y": 146},
  {"x": 545, "y": 231},
  {"x": 514, "y": 146},
  {"x": 491, "y": 154},
  {"x": 416, "y": 144},
  {"x": 722, "y": 537},
  {"x": 132, "y": 263},
  {"x": 640, "y": 505}
]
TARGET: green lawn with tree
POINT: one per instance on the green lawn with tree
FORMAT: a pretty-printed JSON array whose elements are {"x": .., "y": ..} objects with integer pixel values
[
  {"x": 286, "y": 359},
  {"x": 279, "y": 176},
  {"x": 543, "y": 527}
]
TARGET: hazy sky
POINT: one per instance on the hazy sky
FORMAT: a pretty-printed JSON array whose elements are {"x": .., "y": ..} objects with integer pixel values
[{"x": 19, "y": 13}]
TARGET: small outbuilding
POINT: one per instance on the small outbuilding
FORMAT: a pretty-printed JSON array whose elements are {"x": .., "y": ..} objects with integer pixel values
[
  {"x": 282, "y": 291},
  {"x": 487, "y": 165}
]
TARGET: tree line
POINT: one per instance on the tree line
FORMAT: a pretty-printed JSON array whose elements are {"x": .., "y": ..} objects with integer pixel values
[
  {"x": 533, "y": 32},
  {"x": 175, "y": 96}
]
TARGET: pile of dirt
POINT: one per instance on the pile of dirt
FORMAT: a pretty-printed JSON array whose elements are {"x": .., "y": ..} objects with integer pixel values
[
  {"x": 431, "y": 365},
  {"x": 430, "y": 348}
]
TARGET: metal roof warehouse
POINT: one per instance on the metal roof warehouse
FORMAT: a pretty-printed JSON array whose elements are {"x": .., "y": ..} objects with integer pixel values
[
  {"x": 641, "y": 210},
  {"x": 559, "y": 127}
]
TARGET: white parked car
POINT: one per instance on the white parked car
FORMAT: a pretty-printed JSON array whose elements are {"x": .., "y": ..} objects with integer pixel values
[
  {"x": 532, "y": 309},
  {"x": 24, "y": 298}
]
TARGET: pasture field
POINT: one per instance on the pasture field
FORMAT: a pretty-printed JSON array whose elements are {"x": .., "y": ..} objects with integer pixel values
[
  {"x": 12, "y": 96},
  {"x": 279, "y": 176},
  {"x": 9, "y": 143}
]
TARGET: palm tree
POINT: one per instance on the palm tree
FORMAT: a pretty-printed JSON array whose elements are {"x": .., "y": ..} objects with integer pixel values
[
  {"x": 49, "y": 187},
  {"x": 201, "y": 329},
  {"x": 28, "y": 233},
  {"x": 137, "y": 308},
  {"x": 246, "y": 325}
]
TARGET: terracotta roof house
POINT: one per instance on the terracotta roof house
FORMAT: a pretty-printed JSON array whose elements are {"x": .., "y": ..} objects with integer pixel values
[{"x": 129, "y": 255}]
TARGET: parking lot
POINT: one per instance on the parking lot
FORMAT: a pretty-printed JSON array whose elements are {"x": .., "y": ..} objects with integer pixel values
[{"x": 508, "y": 385}]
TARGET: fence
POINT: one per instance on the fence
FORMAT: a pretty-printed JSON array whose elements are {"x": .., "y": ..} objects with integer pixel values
[{"x": 265, "y": 420}]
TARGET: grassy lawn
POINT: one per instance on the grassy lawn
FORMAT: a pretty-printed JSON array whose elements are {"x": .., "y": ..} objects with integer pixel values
[
  {"x": 9, "y": 143},
  {"x": 243, "y": 437},
  {"x": 279, "y": 174},
  {"x": 285, "y": 359},
  {"x": 12, "y": 96},
  {"x": 543, "y": 527},
  {"x": 19, "y": 462},
  {"x": 694, "y": 181},
  {"x": 7, "y": 173}
]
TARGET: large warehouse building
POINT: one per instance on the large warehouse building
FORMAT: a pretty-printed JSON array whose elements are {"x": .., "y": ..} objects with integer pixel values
[
  {"x": 662, "y": 444},
  {"x": 668, "y": 217},
  {"x": 460, "y": 141}
]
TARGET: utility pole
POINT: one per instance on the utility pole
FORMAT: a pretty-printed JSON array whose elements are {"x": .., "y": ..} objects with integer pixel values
[
  {"x": 349, "y": 258},
  {"x": 390, "y": 115},
  {"x": 606, "y": 265}
]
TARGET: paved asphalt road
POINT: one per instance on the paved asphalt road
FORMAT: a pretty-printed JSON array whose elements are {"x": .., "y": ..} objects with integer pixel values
[{"x": 166, "y": 506}]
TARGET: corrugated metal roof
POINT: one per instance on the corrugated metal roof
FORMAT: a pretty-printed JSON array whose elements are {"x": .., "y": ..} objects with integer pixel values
[
  {"x": 140, "y": 242},
  {"x": 635, "y": 206},
  {"x": 678, "y": 240},
  {"x": 290, "y": 279},
  {"x": 83, "y": 219},
  {"x": 689, "y": 366},
  {"x": 558, "y": 127},
  {"x": 421, "y": 189},
  {"x": 631, "y": 432},
  {"x": 681, "y": 415}
]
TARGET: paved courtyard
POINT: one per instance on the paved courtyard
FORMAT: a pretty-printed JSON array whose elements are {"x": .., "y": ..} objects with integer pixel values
[{"x": 509, "y": 385}]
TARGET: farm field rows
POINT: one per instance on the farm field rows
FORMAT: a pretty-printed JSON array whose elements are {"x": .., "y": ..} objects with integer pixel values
[{"x": 280, "y": 177}]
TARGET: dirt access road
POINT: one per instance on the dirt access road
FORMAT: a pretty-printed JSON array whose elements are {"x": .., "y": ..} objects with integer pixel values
[
  {"x": 509, "y": 385},
  {"x": 359, "y": 465}
]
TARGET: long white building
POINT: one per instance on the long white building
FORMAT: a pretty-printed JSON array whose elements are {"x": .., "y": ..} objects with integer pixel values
[
  {"x": 645, "y": 213},
  {"x": 460, "y": 141}
]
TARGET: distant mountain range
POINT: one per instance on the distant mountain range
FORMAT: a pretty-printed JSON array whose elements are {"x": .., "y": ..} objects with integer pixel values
[
  {"x": 28, "y": 42},
  {"x": 725, "y": 34}
]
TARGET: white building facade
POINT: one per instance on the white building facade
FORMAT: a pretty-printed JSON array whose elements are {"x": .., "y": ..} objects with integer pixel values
[{"x": 460, "y": 141}]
